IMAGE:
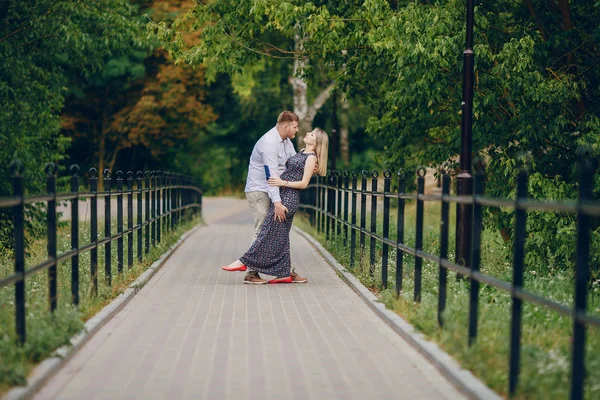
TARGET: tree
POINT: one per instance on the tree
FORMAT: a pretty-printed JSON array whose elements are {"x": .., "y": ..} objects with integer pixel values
[
  {"x": 234, "y": 35},
  {"x": 43, "y": 46},
  {"x": 141, "y": 102}
]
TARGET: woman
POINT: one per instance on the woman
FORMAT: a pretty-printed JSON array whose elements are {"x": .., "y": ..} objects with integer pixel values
[{"x": 270, "y": 252}]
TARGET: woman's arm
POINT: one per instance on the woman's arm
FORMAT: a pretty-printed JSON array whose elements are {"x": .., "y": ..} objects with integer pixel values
[{"x": 309, "y": 168}]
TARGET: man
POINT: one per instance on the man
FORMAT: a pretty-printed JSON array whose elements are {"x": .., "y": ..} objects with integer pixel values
[{"x": 273, "y": 150}]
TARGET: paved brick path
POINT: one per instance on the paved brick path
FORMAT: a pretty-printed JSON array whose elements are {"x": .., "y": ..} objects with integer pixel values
[{"x": 196, "y": 332}]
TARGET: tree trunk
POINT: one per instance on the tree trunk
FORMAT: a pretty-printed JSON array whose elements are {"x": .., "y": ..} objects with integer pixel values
[{"x": 303, "y": 110}]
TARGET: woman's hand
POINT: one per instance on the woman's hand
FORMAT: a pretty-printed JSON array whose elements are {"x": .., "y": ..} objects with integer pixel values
[{"x": 276, "y": 181}]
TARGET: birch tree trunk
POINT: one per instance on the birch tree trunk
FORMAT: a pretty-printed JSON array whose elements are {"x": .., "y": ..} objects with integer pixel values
[{"x": 305, "y": 111}]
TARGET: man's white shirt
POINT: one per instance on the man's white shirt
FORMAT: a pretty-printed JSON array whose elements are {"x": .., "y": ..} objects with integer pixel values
[{"x": 273, "y": 151}]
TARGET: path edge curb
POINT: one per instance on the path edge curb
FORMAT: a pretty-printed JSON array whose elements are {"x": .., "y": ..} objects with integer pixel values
[
  {"x": 51, "y": 365},
  {"x": 463, "y": 379}
]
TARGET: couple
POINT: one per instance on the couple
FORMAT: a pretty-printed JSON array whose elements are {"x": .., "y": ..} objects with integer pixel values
[{"x": 275, "y": 201}]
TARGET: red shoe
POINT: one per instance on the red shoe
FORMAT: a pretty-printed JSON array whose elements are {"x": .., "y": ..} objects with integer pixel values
[
  {"x": 232, "y": 269},
  {"x": 287, "y": 279}
]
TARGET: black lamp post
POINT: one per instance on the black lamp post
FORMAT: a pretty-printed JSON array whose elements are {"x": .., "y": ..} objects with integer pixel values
[{"x": 464, "y": 183}]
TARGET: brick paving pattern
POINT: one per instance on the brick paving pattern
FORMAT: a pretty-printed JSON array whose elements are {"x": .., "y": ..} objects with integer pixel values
[{"x": 196, "y": 332}]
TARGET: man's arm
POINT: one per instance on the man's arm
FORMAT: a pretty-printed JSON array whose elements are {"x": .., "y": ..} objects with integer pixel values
[{"x": 271, "y": 159}]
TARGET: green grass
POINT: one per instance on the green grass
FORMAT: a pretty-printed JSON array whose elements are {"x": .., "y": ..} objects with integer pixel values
[
  {"x": 47, "y": 331},
  {"x": 546, "y": 337}
]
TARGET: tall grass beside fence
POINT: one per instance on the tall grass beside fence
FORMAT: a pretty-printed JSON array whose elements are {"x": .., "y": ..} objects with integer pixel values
[
  {"x": 47, "y": 331},
  {"x": 547, "y": 336}
]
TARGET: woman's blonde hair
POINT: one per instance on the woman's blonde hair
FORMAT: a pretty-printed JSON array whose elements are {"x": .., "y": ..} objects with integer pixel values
[{"x": 321, "y": 150}]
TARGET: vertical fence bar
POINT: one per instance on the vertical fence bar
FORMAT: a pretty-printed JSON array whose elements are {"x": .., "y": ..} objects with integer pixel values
[
  {"x": 153, "y": 207},
  {"x": 140, "y": 194},
  {"x": 353, "y": 228},
  {"x": 443, "y": 272},
  {"x": 147, "y": 211},
  {"x": 328, "y": 211},
  {"x": 314, "y": 201},
  {"x": 582, "y": 276},
  {"x": 173, "y": 206},
  {"x": 318, "y": 203},
  {"x": 94, "y": 229},
  {"x": 338, "y": 193},
  {"x": 323, "y": 188},
  {"x": 167, "y": 201},
  {"x": 107, "y": 230},
  {"x": 373, "y": 242},
  {"x": 346, "y": 195},
  {"x": 363, "y": 211},
  {"x": 159, "y": 196},
  {"x": 75, "y": 234},
  {"x": 475, "y": 256},
  {"x": 165, "y": 197},
  {"x": 387, "y": 174},
  {"x": 19, "y": 232},
  {"x": 400, "y": 230},
  {"x": 517, "y": 283},
  {"x": 51, "y": 221},
  {"x": 120, "y": 221},
  {"x": 130, "y": 219},
  {"x": 419, "y": 234}
]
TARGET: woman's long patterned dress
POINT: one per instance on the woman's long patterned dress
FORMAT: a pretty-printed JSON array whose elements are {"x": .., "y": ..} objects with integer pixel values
[{"x": 270, "y": 252}]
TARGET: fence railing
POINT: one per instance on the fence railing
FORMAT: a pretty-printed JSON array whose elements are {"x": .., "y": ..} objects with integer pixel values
[
  {"x": 162, "y": 200},
  {"x": 330, "y": 200}
]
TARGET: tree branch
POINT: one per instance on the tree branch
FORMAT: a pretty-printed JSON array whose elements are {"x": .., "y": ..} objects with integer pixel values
[{"x": 320, "y": 100}]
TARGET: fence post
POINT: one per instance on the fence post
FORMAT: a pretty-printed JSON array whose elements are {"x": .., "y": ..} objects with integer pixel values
[
  {"x": 165, "y": 196},
  {"x": 346, "y": 196},
  {"x": 120, "y": 221},
  {"x": 107, "y": 234},
  {"x": 19, "y": 232},
  {"x": 419, "y": 233},
  {"x": 159, "y": 196},
  {"x": 517, "y": 283},
  {"x": 373, "y": 242},
  {"x": 443, "y": 272},
  {"x": 139, "y": 228},
  {"x": 387, "y": 174},
  {"x": 318, "y": 203},
  {"x": 475, "y": 256},
  {"x": 582, "y": 276},
  {"x": 167, "y": 201},
  {"x": 50, "y": 170},
  {"x": 130, "y": 219},
  {"x": 338, "y": 193},
  {"x": 75, "y": 234},
  {"x": 400, "y": 230},
  {"x": 363, "y": 211},
  {"x": 153, "y": 207},
  {"x": 147, "y": 190},
  {"x": 353, "y": 230},
  {"x": 328, "y": 211},
  {"x": 93, "y": 173},
  {"x": 323, "y": 208}
]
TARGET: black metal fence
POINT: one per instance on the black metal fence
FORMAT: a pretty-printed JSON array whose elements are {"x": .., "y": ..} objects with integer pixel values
[
  {"x": 331, "y": 203},
  {"x": 162, "y": 201}
]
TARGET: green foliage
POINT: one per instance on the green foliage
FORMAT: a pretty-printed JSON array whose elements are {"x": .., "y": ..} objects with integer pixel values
[
  {"x": 536, "y": 98},
  {"x": 45, "y": 46}
]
